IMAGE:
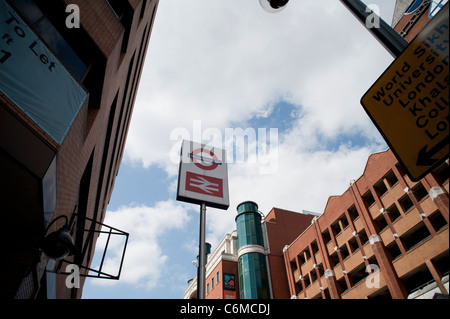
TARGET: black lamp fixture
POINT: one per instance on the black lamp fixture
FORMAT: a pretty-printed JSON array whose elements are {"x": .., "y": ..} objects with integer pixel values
[
  {"x": 59, "y": 244},
  {"x": 273, "y": 6}
]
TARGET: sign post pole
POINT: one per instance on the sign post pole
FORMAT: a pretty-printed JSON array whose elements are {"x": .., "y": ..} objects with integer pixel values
[
  {"x": 202, "y": 252},
  {"x": 203, "y": 180},
  {"x": 384, "y": 33}
]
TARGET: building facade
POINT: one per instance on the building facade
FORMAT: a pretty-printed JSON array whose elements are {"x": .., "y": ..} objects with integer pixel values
[
  {"x": 384, "y": 237},
  {"x": 410, "y": 16},
  {"x": 69, "y": 74},
  {"x": 252, "y": 267}
]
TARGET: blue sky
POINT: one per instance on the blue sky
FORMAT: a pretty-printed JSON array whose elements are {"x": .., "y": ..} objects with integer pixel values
[{"x": 216, "y": 65}]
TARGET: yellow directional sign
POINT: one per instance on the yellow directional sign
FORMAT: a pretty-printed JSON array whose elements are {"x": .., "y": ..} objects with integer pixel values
[{"x": 409, "y": 103}]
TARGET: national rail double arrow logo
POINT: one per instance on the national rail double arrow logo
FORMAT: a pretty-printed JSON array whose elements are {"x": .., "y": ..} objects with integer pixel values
[{"x": 204, "y": 184}]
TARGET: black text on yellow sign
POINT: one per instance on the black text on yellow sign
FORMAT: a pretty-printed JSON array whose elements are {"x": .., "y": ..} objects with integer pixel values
[{"x": 409, "y": 103}]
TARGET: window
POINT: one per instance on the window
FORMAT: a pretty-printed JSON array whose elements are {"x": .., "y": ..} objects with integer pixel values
[
  {"x": 314, "y": 247},
  {"x": 207, "y": 289},
  {"x": 353, "y": 244},
  {"x": 362, "y": 234},
  {"x": 353, "y": 213},
  {"x": 394, "y": 213},
  {"x": 313, "y": 275},
  {"x": 380, "y": 187},
  {"x": 326, "y": 236},
  {"x": 417, "y": 279},
  {"x": 298, "y": 287},
  {"x": 343, "y": 221},
  {"x": 342, "y": 284},
  {"x": 358, "y": 274},
  {"x": 368, "y": 199},
  {"x": 307, "y": 280},
  {"x": 250, "y": 233},
  {"x": 304, "y": 256},
  {"x": 380, "y": 223},
  {"x": 307, "y": 253},
  {"x": 334, "y": 259},
  {"x": 253, "y": 280},
  {"x": 336, "y": 228},
  {"x": 391, "y": 179},
  {"x": 415, "y": 236},
  {"x": 344, "y": 251},
  {"x": 293, "y": 265},
  {"x": 321, "y": 271},
  {"x": 394, "y": 250},
  {"x": 405, "y": 203},
  {"x": 437, "y": 220},
  {"x": 212, "y": 283},
  {"x": 217, "y": 277},
  {"x": 301, "y": 258},
  {"x": 419, "y": 192}
]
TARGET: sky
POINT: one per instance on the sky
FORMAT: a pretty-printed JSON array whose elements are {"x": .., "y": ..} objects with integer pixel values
[{"x": 294, "y": 78}]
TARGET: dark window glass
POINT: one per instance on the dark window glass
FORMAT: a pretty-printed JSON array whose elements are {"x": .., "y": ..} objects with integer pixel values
[{"x": 31, "y": 13}]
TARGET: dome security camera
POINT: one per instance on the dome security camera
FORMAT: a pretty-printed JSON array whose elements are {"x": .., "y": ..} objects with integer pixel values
[{"x": 273, "y": 6}]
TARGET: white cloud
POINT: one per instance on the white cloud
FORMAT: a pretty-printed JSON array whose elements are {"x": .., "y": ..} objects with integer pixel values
[
  {"x": 304, "y": 180},
  {"x": 144, "y": 260},
  {"x": 227, "y": 61},
  {"x": 224, "y": 62}
]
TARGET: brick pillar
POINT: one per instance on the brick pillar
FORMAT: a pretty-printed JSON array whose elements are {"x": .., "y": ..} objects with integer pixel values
[
  {"x": 437, "y": 193},
  {"x": 287, "y": 264},
  {"x": 437, "y": 276},
  {"x": 440, "y": 198},
  {"x": 329, "y": 273},
  {"x": 395, "y": 285}
]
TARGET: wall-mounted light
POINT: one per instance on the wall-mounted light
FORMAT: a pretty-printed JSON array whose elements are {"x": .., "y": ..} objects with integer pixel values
[{"x": 58, "y": 244}]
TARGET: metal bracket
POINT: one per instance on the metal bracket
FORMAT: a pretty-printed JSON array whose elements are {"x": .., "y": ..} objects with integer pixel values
[{"x": 110, "y": 231}]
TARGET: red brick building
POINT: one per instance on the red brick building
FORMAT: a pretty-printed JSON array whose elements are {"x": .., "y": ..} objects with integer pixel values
[
  {"x": 384, "y": 237},
  {"x": 67, "y": 93},
  {"x": 410, "y": 17}
]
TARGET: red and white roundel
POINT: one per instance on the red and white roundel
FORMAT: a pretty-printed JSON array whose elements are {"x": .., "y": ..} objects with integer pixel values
[{"x": 205, "y": 159}]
